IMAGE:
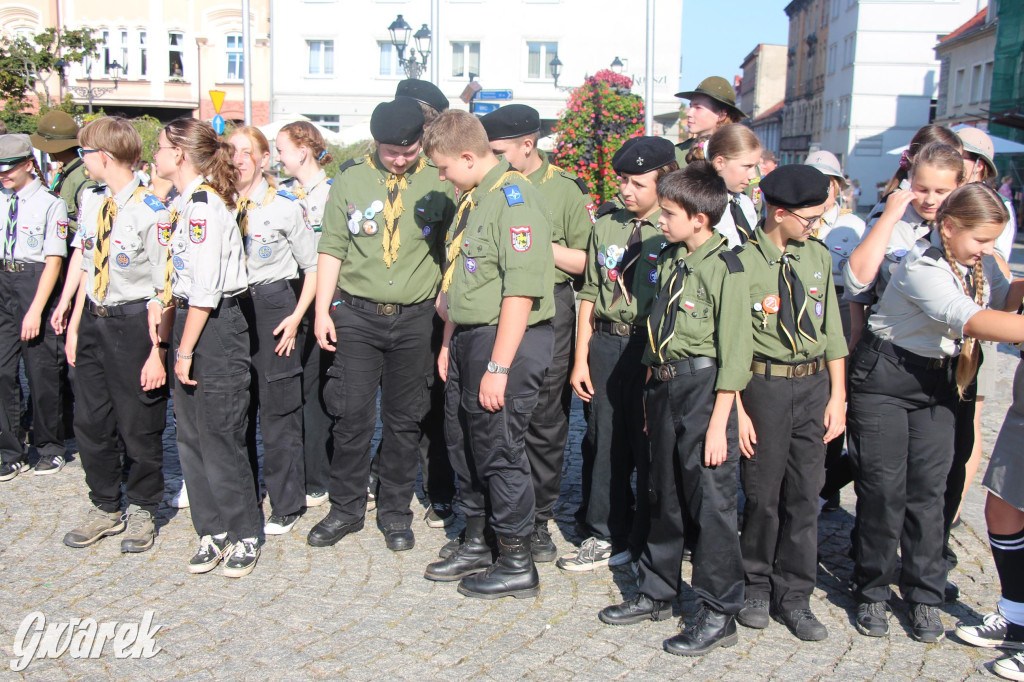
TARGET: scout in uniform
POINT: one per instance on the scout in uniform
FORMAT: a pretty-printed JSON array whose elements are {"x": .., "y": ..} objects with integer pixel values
[
  {"x": 57, "y": 135},
  {"x": 698, "y": 357},
  {"x": 734, "y": 152},
  {"x": 303, "y": 154},
  {"x": 513, "y": 131},
  {"x": 278, "y": 243},
  {"x": 919, "y": 352},
  {"x": 211, "y": 342},
  {"x": 378, "y": 275},
  {"x": 795, "y": 402},
  {"x": 712, "y": 105},
  {"x": 497, "y": 301},
  {"x": 34, "y": 246},
  {"x": 432, "y": 101},
  {"x": 120, "y": 375},
  {"x": 620, "y": 282}
]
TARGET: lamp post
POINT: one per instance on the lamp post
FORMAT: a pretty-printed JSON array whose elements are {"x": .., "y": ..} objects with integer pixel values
[
  {"x": 556, "y": 68},
  {"x": 617, "y": 65},
  {"x": 416, "y": 63},
  {"x": 88, "y": 91}
]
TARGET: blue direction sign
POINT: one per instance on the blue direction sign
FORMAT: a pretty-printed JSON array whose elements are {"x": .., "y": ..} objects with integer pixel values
[
  {"x": 485, "y": 107},
  {"x": 494, "y": 94}
]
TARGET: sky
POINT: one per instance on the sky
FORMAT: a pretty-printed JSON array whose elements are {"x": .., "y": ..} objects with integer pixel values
[{"x": 718, "y": 34}]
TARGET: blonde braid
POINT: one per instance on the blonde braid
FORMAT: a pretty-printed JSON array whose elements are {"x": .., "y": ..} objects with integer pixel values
[{"x": 970, "y": 351}]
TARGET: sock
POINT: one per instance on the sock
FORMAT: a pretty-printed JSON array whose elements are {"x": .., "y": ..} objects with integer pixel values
[{"x": 1008, "y": 554}]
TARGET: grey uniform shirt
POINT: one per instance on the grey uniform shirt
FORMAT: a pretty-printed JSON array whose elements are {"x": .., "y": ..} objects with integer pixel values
[
  {"x": 841, "y": 233},
  {"x": 905, "y": 233},
  {"x": 279, "y": 242},
  {"x": 137, "y": 259},
  {"x": 42, "y": 224},
  {"x": 924, "y": 308},
  {"x": 313, "y": 198},
  {"x": 206, "y": 250}
]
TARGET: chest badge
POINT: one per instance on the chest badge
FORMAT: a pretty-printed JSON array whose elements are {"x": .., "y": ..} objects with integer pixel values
[{"x": 770, "y": 304}]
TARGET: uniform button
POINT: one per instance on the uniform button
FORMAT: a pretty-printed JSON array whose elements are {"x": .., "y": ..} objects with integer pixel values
[{"x": 390, "y": 282}]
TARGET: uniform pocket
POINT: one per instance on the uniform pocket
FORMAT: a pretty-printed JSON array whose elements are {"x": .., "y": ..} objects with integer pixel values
[
  {"x": 334, "y": 393},
  {"x": 861, "y": 365},
  {"x": 287, "y": 395},
  {"x": 225, "y": 383}
]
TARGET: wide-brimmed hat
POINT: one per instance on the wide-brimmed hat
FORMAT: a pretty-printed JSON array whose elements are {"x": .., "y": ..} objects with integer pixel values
[
  {"x": 977, "y": 141},
  {"x": 828, "y": 164},
  {"x": 56, "y": 132},
  {"x": 718, "y": 89},
  {"x": 14, "y": 148}
]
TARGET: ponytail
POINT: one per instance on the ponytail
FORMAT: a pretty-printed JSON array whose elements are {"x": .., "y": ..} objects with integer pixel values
[
  {"x": 929, "y": 134},
  {"x": 305, "y": 134},
  {"x": 208, "y": 154}
]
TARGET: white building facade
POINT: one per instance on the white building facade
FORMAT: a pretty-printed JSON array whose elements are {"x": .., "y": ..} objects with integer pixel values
[
  {"x": 333, "y": 61},
  {"x": 882, "y": 78}
]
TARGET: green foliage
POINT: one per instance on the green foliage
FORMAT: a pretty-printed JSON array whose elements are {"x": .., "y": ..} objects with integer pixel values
[
  {"x": 343, "y": 154},
  {"x": 18, "y": 120},
  {"x": 149, "y": 129},
  {"x": 25, "y": 65},
  {"x": 600, "y": 115}
]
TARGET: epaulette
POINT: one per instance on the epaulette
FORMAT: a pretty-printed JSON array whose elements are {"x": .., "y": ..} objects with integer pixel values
[
  {"x": 732, "y": 261},
  {"x": 935, "y": 253},
  {"x": 348, "y": 164},
  {"x": 330, "y": 181},
  {"x": 154, "y": 203},
  {"x": 580, "y": 182},
  {"x": 604, "y": 209},
  {"x": 200, "y": 197},
  {"x": 53, "y": 194},
  {"x": 286, "y": 194},
  {"x": 99, "y": 189},
  {"x": 820, "y": 243}
]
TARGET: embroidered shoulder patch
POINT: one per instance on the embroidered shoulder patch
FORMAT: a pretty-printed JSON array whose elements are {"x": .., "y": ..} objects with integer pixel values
[
  {"x": 163, "y": 233},
  {"x": 286, "y": 194},
  {"x": 513, "y": 196},
  {"x": 197, "y": 231},
  {"x": 153, "y": 202},
  {"x": 522, "y": 238},
  {"x": 62, "y": 229}
]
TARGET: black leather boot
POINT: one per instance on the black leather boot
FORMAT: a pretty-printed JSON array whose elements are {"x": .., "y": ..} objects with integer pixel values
[
  {"x": 471, "y": 556},
  {"x": 512, "y": 575},
  {"x": 709, "y": 631}
]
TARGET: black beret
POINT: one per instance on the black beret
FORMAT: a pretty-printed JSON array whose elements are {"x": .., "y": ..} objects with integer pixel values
[
  {"x": 795, "y": 186},
  {"x": 642, "y": 155},
  {"x": 511, "y": 121},
  {"x": 399, "y": 122},
  {"x": 423, "y": 91}
]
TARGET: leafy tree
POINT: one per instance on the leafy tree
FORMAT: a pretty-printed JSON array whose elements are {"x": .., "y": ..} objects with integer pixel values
[
  {"x": 26, "y": 65},
  {"x": 600, "y": 115}
]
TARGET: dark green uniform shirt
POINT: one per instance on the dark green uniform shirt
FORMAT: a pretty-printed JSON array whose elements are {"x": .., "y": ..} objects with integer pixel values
[
  {"x": 604, "y": 267},
  {"x": 760, "y": 258},
  {"x": 504, "y": 250},
  {"x": 354, "y": 231},
  {"x": 571, "y": 206},
  {"x": 682, "y": 149},
  {"x": 70, "y": 186},
  {"x": 711, "y": 320}
]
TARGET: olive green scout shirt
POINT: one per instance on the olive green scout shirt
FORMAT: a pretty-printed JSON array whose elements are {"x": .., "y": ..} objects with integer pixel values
[
  {"x": 760, "y": 258},
  {"x": 605, "y": 251},
  {"x": 70, "y": 187},
  {"x": 505, "y": 250},
  {"x": 354, "y": 232},
  {"x": 712, "y": 318},
  {"x": 572, "y": 208},
  {"x": 682, "y": 149}
]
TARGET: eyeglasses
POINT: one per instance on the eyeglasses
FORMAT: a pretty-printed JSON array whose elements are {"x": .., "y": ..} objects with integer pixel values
[
  {"x": 157, "y": 148},
  {"x": 805, "y": 221},
  {"x": 82, "y": 151}
]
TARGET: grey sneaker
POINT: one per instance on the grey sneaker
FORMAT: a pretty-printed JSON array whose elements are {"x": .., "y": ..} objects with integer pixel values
[
  {"x": 994, "y": 632},
  {"x": 9, "y": 470},
  {"x": 925, "y": 624},
  {"x": 141, "y": 531},
  {"x": 49, "y": 465},
  {"x": 211, "y": 550},
  {"x": 97, "y": 525},
  {"x": 242, "y": 558},
  {"x": 591, "y": 554}
]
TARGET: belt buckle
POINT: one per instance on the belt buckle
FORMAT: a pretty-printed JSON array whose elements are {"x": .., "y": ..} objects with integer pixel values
[
  {"x": 101, "y": 311},
  {"x": 621, "y": 329},
  {"x": 665, "y": 372},
  {"x": 801, "y": 370},
  {"x": 386, "y": 309}
]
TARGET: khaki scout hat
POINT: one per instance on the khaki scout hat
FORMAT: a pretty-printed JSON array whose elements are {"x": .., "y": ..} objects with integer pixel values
[
  {"x": 718, "y": 89},
  {"x": 57, "y": 132},
  {"x": 978, "y": 142},
  {"x": 14, "y": 149},
  {"x": 828, "y": 164}
]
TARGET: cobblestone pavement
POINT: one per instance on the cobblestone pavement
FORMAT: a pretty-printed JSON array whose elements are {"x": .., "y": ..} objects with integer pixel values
[{"x": 357, "y": 610}]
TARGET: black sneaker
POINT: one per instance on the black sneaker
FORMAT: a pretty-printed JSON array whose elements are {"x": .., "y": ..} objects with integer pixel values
[
  {"x": 541, "y": 544},
  {"x": 754, "y": 614},
  {"x": 211, "y": 551},
  {"x": 439, "y": 515},
  {"x": 1011, "y": 668},
  {"x": 925, "y": 624},
  {"x": 873, "y": 619},
  {"x": 9, "y": 470},
  {"x": 994, "y": 632},
  {"x": 803, "y": 624},
  {"x": 49, "y": 465},
  {"x": 279, "y": 524},
  {"x": 242, "y": 558}
]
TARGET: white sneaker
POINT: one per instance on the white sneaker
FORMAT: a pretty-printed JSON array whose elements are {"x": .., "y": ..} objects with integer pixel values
[
  {"x": 315, "y": 499},
  {"x": 180, "y": 499},
  {"x": 593, "y": 553},
  {"x": 1011, "y": 668},
  {"x": 280, "y": 524}
]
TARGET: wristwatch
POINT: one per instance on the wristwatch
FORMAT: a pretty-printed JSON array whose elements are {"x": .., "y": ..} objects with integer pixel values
[{"x": 495, "y": 368}]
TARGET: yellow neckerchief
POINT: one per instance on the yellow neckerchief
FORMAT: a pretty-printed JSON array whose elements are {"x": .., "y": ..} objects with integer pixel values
[
  {"x": 395, "y": 185},
  {"x": 244, "y": 204}
]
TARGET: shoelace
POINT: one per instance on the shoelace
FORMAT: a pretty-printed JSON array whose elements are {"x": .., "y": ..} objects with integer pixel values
[
  {"x": 244, "y": 548},
  {"x": 929, "y": 614},
  {"x": 804, "y": 614},
  {"x": 138, "y": 520},
  {"x": 207, "y": 547},
  {"x": 993, "y": 622}
]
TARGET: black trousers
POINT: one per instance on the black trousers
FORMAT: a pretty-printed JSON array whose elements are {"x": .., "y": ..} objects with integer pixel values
[
  {"x": 392, "y": 353},
  {"x": 211, "y": 419},
  {"x": 615, "y": 442},
  {"x": 112, "y": 409},
  {"x": 549, "y": 426},
  {"x": 901, "y": 446},
  {"x": 276, "y": 397},
  {"x": 781, "y": 483},
  {"x": 317, "y": 439},
  {"x": 44, "y": 366},
  {"x": 487, "y": 449},
  {"x": 678, "y": 413},
  {"x": 963, "y": 446}
]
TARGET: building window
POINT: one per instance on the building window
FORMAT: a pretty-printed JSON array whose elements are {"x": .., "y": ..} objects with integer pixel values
[
  {"x": 389, "y": 65},
  {"x": 827, "y": 125},
  {"x": 329, "y": 121},
  {"x": 976, "y": 84},
  {"x": 844, "y": 112},
  {"x": 175, "y": 56},
  {"x": 835, "y": 9},
  {"x": 236, "y": 59},
  {"x": 986, "y": 82},
  {"x": 465, "y": 59},
  {"x": 849, "y": 49},
  {"x": 142, "y": 54},
  {"x": 833, "y": 51},
  {"x": 961, "y": 86},
  {"x": 539, "y": 56},
  {"x": 321, "y": 57}
]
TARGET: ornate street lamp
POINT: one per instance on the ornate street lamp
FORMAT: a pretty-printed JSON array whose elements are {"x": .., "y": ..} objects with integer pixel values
[{"x": 416, "y": 63}]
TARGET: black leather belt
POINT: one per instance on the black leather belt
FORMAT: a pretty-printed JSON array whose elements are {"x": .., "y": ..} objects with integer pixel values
[
  {"x": 386, "y": 309},
  {"x": 119, "y": 310},
  {"x": 618, "y": 328},
  {"x": 225, "y": 302},
  {"x": 270, "y": 288},
  {"x": 902, "y": 354},
  {"x": 670, "y": 370},
  {"x": 787, "y": 370},
  {"x": 17, "y": 266}
]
